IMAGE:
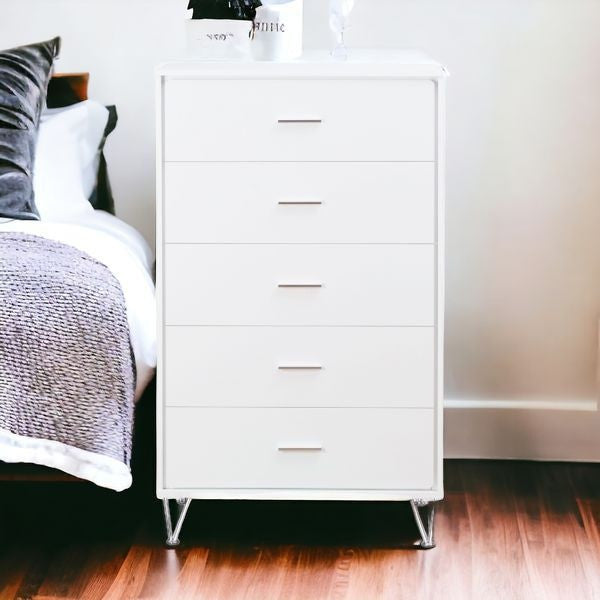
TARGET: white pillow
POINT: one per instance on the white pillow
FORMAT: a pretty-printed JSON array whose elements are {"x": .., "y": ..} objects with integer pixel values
[{"x": 66, "y": 159}]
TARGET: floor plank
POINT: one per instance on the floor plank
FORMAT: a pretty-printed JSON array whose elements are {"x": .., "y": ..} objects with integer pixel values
[{"x": 506, "y": 530}]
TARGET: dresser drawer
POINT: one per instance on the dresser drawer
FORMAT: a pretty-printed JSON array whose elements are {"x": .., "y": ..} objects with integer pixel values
[
  {"x": 300, "y": 366},
  {"x": 256, "y": 448},
  {"x": 300, "y": 202},
  {"x": 314, "y": 284},
  {"x": 302, "y": 120}
]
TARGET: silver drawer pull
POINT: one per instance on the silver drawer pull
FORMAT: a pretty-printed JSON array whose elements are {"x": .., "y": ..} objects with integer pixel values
[
  {"x": 300, "y": 367},
  {"x": 300, "y": 447},
  {"x": 299, "y": 120},
  {"x": 300, "y": 285},
  {"x": 300, "y": 202}
]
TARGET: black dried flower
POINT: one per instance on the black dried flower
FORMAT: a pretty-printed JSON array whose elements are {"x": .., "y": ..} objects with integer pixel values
[{"x": 237, "y": 10}]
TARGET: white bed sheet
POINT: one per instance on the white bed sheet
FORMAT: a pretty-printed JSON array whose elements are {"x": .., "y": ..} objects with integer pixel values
[{"x": 125, "y": 252}]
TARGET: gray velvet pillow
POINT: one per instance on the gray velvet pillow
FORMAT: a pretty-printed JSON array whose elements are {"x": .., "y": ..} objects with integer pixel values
[{"x": 24, "y": 76}]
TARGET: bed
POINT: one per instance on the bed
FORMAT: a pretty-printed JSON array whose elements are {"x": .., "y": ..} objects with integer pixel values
[{"x": 69, "y": 382}]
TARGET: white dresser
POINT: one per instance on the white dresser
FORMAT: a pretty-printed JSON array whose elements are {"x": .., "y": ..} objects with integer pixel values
[{"x": 300, "y": 262}]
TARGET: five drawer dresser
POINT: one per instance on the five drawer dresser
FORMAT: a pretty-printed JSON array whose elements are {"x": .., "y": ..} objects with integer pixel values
[{"x": 300, "y": 262}]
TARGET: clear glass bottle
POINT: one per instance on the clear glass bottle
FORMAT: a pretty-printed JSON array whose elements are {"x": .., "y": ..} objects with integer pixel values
[{"x": 339, "y": 16}]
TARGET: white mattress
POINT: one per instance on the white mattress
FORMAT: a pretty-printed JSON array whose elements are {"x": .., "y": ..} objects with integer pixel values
[{"x": 125, "y": 252}]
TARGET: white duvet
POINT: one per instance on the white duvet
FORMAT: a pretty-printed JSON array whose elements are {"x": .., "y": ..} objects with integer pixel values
[{"x": 124, "y": 251}]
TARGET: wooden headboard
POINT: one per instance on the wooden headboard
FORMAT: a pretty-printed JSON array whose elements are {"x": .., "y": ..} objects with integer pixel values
[{"x": 65, "y": 89}]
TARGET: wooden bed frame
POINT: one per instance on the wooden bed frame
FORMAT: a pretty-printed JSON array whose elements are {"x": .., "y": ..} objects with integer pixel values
[{"x": 65, "y": 89}]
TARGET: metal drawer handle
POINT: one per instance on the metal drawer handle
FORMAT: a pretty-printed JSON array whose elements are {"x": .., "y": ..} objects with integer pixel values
[
  {"x": 300, "y": 202},
  {"x": 299, "y": 120},
  {"x": 300, "y": 447},
  {"x": 300, "y": 367},
  {"x": 300, "y": 285}
]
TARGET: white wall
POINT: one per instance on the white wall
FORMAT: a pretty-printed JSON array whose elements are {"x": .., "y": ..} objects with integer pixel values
[{"x": 523, "y": 185}]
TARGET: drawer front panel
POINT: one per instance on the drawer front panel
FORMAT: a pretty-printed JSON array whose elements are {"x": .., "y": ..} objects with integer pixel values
[
  {"x": 390, "y": 285},
  {"x": 308, "y": 120},
  {"x": 300, "y": 202},
  {"x": 300, "y": 366},
  {"x": 259, "y": 448}
]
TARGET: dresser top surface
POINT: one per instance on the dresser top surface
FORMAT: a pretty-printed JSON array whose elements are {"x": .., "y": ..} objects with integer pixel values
[{"x": 359, "y": 63}]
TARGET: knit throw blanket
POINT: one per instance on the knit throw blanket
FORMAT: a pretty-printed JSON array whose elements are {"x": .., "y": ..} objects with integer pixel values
[{"x": 67, "y": 375}]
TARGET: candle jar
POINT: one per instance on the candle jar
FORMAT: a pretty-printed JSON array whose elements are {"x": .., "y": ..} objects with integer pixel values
[{"x": 278, "y": 30}]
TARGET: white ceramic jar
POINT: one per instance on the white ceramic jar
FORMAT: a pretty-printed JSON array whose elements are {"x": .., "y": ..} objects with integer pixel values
[{"x": 278, "y": 30}]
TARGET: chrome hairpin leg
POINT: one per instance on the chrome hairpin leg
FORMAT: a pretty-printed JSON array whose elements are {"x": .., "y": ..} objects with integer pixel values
[
  {"x": 425, "y": 530},
  {"x": 182, "y": 507}
]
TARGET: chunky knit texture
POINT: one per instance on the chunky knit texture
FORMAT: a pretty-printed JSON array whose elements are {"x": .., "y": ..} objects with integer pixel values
[{"x": 66, "y": 368}]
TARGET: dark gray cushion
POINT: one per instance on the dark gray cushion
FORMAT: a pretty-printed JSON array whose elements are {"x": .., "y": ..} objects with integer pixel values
[{"x": 24, "y": 76}]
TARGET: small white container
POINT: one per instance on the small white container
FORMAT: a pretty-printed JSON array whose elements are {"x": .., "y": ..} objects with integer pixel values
[
  {"x": 278, "y": 30},
  {"x": 219, "y": 38}
]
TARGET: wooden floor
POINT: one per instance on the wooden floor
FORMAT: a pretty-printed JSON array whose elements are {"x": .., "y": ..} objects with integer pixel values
[{"x": 506, "y": 530}]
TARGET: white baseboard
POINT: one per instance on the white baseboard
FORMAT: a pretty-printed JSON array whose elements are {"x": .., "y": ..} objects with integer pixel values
[{"x": 544, "y": 429}]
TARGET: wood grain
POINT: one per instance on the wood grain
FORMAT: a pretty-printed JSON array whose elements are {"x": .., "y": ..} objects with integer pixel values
[
  {"x": 65, "y": 89},
  {"x": 507, "y": 530}
]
